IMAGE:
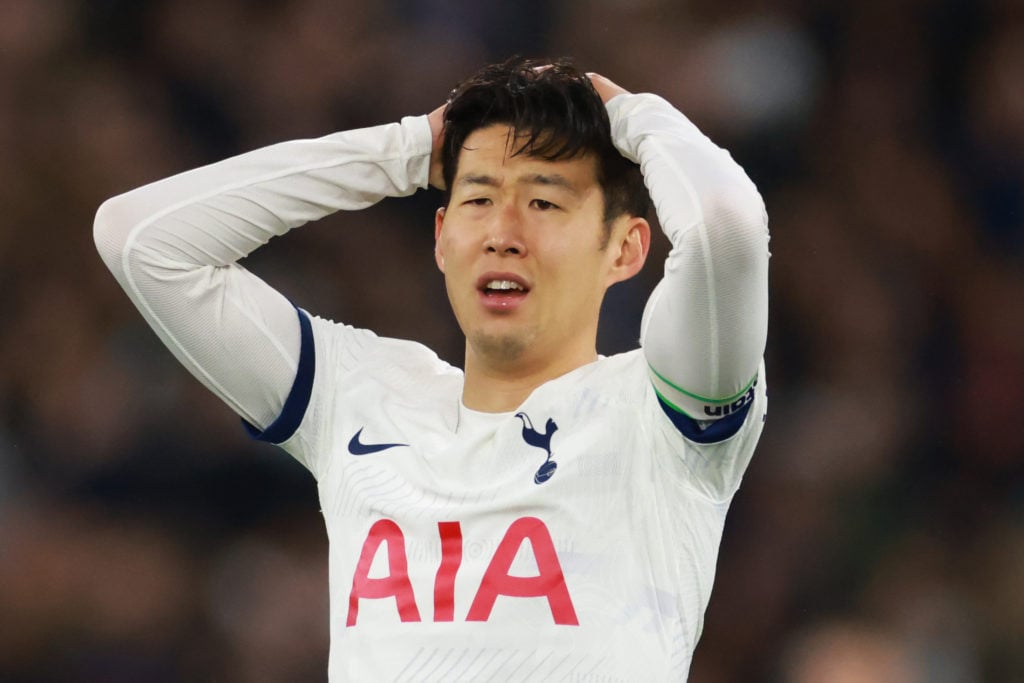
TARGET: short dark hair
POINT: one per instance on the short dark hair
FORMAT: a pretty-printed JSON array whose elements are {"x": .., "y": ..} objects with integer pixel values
[{"x": 558, "y": 114}]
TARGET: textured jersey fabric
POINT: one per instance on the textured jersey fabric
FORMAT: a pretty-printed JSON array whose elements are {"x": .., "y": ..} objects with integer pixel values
[
  {"x": 574, "y": 538},
  {"x": 619, "y": 537}
]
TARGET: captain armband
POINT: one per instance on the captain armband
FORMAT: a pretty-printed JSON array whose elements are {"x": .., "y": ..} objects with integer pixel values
[{"x": 701, "y": 419}]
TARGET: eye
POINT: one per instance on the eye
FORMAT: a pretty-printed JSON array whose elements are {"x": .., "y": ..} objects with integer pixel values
[
  {"x": 543, "y": 204},
  {"x": 477, "y": 201}
]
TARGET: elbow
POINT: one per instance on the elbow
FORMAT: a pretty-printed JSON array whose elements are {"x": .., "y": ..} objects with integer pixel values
[
  {"x": 738, "y": 227},
  {"x": 110, "y": 231}
]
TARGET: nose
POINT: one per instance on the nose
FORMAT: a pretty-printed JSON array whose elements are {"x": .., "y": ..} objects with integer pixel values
[{"x": 504, "y": 234}]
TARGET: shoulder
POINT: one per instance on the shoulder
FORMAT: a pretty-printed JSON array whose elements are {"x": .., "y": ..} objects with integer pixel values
[
  {"x": 713, "y": 465},
  {"x": 348, "y": 350},
  {"x": 626, "y": 372},
  {"x": 618, "y": 381},
  {"x": 347, "y": 371}
]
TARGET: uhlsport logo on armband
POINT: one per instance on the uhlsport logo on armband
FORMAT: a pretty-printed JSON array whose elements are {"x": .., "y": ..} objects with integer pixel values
[{"x": 730, "y": 408}]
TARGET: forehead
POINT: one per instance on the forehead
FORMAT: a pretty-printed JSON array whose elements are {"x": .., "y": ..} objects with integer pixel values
[{"x": 493, "y": 149}]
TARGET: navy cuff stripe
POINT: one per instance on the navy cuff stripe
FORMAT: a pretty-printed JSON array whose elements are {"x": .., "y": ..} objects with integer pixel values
[
  {"x": 719, "y": 430},
  {"x": 295, "y": 405}
]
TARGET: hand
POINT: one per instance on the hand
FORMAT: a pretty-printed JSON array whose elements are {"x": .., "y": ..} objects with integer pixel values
[
  {"x": 605, "y": 88},
  {"x": 436, "y": 119}
]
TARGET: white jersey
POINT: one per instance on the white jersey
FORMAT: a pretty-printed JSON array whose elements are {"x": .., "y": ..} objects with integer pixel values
[{"x": 574, "y": 538}]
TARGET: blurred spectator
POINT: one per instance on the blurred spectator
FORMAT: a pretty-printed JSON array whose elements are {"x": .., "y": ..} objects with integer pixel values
[{"x": 849, "y": 653}]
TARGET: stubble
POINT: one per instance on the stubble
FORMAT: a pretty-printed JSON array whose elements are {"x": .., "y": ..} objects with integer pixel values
[{"x": 499, "y": 349}]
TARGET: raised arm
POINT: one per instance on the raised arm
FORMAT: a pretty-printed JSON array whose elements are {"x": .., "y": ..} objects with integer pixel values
[
  {"x": 173, "y": 246},
  {"x": 706, "y": 323}
]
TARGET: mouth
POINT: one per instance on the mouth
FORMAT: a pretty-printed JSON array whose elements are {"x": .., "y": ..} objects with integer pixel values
[{"x": 502, "y": 291}]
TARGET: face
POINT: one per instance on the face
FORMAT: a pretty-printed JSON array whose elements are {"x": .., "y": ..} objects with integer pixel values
[{"x": 522, "y": 247}]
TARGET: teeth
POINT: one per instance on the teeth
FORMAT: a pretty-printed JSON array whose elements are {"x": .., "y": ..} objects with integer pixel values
[{"x": 504, "y": 285}]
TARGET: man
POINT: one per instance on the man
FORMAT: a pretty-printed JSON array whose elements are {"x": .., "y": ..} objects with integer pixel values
[{"x": 547, "y": 512}]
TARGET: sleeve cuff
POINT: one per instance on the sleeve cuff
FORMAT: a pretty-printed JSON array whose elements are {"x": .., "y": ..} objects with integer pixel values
[
  {"x": 421, "y": 145},
  {"x": 294, "y": 409}
]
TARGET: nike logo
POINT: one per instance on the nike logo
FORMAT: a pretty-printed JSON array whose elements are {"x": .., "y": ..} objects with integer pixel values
[{"x": 357, "y": 447}]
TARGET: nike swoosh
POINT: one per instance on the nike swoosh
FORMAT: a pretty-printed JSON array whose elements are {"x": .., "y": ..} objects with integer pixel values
[{"x": 357, "y": 447}]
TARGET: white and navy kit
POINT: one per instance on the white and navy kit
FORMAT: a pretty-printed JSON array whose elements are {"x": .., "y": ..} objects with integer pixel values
[{"x": 574, "y": 538}]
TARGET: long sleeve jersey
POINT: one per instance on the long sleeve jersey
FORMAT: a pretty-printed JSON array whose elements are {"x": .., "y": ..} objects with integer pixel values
[{"x": 618, "y": 474}]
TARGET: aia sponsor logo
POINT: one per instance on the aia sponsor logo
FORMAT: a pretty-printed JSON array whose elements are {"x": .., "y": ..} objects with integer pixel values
[{"x": 496, "y": 582}]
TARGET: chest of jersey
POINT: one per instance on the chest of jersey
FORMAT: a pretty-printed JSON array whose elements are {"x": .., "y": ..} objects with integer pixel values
[
  {"x": 529, "y": 518},
  {"x": 560, "y": 533}
]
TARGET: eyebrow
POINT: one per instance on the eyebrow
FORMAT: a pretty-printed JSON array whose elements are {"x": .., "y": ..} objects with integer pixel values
[
  {"x": 478, "y": 179},
  {"x": 545, "y": 179}
]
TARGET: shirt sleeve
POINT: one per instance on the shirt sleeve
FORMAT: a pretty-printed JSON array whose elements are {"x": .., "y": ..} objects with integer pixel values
[
  {"x": 705, "y": 326},
  {"x": 173, "y": 246}
]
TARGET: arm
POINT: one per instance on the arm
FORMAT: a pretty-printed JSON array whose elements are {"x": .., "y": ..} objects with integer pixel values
[
  {"x": 174, "y": 245},
  {"x": 706, "y": 323}
]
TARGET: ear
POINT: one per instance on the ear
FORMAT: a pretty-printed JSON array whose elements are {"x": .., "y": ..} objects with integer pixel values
[
  {"x": 628, "y": 246},
  {"x": 438, "y": 251}
]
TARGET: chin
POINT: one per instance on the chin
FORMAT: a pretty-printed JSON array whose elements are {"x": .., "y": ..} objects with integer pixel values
[{"x": 499, "y": 348}]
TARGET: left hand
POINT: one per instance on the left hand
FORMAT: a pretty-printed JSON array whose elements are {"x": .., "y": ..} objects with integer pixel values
[{"x": 606, "y": 88}]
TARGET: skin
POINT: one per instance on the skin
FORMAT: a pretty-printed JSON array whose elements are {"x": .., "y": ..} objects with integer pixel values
[{"x": 541, "y": 224}]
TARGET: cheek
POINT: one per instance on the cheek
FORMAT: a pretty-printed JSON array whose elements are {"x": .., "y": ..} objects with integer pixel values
[
  {"x": 582, "y": 278},
  {"x": 453, "y": 239},
  {"x": 453, "y": 257}
]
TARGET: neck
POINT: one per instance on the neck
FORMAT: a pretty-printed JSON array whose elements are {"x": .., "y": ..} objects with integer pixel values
[{"x": 497, "y": 388}]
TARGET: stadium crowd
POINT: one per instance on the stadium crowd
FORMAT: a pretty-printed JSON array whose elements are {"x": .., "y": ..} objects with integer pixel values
[{"x": 879, "y": 533}]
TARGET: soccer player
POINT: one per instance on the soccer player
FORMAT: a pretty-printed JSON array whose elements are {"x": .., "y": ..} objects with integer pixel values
[{"x": 545, "y": 512}]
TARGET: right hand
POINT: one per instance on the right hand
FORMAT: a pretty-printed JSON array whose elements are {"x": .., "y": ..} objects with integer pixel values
[{"x": 436, "y": 119}]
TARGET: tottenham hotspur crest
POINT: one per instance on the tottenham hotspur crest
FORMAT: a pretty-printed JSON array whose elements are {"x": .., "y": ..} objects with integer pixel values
[{"x": 540, "y": 440}]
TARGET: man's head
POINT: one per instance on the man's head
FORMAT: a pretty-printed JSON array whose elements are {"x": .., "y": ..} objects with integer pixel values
[
  {"x": 543, "y": 214},
  {"x": 556, "y": 114}
]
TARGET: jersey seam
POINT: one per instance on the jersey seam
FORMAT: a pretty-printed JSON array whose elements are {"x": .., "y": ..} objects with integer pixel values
[{"x": 685, "y": 483}]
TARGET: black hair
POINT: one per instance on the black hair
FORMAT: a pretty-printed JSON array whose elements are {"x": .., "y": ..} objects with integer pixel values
[{"x": 556, "y": 112}]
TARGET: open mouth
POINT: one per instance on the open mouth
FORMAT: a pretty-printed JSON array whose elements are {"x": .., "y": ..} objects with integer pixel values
[
  {"x": 502, "y": 290},
  {"x": 503, "y": 287}
]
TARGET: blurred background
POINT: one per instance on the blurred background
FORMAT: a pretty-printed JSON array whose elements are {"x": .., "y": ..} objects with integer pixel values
[{"x": 879, "y": 533}]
